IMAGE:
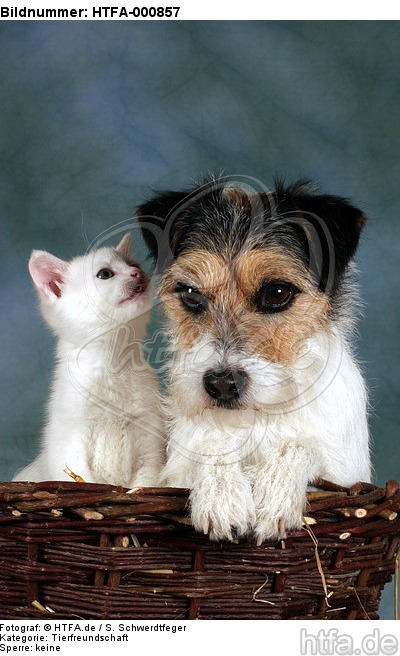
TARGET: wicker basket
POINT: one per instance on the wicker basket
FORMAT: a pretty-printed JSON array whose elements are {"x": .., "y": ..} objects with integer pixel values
[{"x": 78, "y": 550}]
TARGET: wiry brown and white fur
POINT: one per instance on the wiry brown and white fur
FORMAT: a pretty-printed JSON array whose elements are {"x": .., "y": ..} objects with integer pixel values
[
  {"x": 264, "y": 393},
  {"x": 104, "y": 417}
]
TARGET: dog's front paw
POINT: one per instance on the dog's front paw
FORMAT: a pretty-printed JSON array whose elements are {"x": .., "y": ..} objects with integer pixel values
[
  {"x": 223, "y": 507},
  {"x": 273, "y": 526},
  {"x": 278, "y": 509},
  {"x": 280, "y": 485}
]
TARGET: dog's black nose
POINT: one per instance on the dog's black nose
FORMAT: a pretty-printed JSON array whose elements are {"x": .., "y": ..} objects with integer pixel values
[{"x": 226, "y": 385}]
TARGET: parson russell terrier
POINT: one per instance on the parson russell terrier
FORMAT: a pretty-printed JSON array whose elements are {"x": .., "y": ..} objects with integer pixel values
[{"x": 264, "y": 393}]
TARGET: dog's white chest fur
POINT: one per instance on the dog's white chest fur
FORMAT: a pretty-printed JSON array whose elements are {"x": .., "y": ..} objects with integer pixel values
[{"x": 251, "y": 468}]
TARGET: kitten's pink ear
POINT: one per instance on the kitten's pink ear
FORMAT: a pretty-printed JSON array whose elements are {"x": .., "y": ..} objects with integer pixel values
[
  {"x": 124, "y": 246},
  {"x": 47, "y": 272}
]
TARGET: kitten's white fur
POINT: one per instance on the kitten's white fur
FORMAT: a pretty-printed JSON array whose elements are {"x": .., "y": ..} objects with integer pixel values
[
  {"x": 104, "y": 419},
  {"x": 249, "y": 469}
]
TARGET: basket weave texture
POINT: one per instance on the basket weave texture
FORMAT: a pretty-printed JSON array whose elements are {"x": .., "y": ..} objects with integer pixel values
[{"x": 94, "y": 551}]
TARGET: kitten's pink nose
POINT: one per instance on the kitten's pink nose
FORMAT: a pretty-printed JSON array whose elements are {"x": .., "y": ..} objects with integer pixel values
[{"x": 136, "y": 273}]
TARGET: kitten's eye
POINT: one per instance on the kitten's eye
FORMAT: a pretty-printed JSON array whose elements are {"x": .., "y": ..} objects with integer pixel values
[
  {"x": 105, "y": 274},
  {"x": 275, "y": 296},
  {"x": 192, "y": 299}
]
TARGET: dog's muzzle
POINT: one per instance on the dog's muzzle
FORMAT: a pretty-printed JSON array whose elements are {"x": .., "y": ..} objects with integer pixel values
[{"x": 225, "y": 386}]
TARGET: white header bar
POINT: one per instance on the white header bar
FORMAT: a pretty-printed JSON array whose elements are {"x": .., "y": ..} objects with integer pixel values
[{"x": 171, "y": 10}]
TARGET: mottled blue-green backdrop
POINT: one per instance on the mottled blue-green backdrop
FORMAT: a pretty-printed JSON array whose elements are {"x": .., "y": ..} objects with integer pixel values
[{"x": 94, "y": 114}]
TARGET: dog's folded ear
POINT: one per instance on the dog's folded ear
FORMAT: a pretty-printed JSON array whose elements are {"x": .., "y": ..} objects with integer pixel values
[
  {"x": 159, "y": 222},
  {"x": 332, "y": 225}
]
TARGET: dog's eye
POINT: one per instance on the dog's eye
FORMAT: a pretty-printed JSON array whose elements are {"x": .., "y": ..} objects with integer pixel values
[
  {"x": 275, "y": 296},
  {"x": 105, "y": 274},
  {"x": 192, "y": 299}
]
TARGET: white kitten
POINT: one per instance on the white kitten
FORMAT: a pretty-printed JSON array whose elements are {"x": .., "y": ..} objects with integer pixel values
[{"x": 104, "y": 418}]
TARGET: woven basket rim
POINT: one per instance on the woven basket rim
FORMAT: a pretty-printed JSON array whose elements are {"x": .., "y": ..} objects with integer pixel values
[
  {"x": 99, "y": 550},
  {"x": 356, "y": 506}
]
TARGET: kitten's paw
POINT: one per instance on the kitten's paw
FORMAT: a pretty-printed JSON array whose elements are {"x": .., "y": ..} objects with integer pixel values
[{"x": 223, "y": 508}]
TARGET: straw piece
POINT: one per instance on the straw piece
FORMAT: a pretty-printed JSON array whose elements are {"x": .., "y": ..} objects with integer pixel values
[
  {"x": 319, "y": 564},
  {"x": 262, "y": 601},
  {"x": 135, "y": 541},
  {"x": 36, "y": 604},
  {"x": 359, "y": 601},
  {"x": 72, "y": 474}
]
